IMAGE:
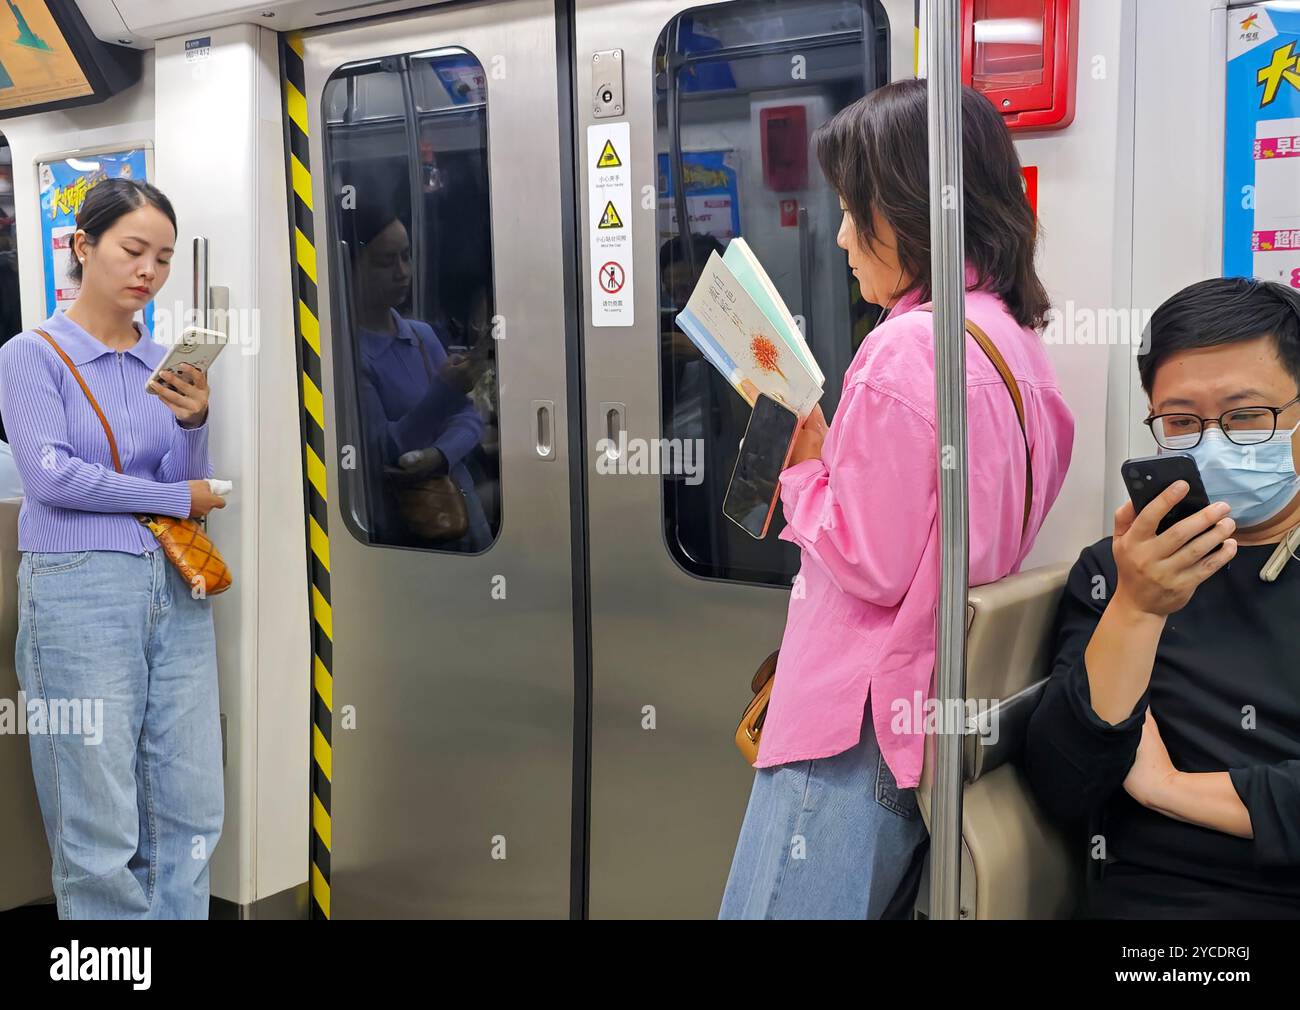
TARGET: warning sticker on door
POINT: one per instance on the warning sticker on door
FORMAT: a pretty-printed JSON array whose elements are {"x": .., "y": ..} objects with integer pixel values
[
  {"x": 609, "y": 202},
  {"x": 609, "y": 157},
  {"x": 611, "y": 278},
  {"x": 610, "y": 218}
]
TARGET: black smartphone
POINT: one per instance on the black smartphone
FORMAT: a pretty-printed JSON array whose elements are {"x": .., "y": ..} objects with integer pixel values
[
  {"x": 1149, "y": 476},
  {"x": 751, "y": 495}
]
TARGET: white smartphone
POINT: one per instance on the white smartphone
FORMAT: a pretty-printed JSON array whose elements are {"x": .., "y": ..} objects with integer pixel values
[{"x": 197, "y": 347}]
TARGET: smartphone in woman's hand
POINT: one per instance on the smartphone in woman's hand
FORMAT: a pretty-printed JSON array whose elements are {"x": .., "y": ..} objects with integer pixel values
[
  {"x": 765, "y": 449},
  {"x": 197, "y": 347}
]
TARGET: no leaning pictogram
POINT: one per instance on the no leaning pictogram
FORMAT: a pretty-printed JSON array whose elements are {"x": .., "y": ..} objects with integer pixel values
[{"x": 611, "y": 278}]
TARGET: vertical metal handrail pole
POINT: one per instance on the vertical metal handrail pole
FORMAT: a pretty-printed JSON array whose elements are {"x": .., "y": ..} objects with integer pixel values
[
  {"x": 420, "y": 237},
  {"x": 947, "y": 238},
  {"x": 202, "y": 289}
]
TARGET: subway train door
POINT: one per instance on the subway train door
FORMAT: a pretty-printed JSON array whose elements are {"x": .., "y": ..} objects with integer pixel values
[
  {"x": 708, "y": 109},
  {"x": 434, "y": 205}
]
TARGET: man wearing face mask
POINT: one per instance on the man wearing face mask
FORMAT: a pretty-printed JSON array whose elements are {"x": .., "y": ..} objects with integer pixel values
[{"x": 1169, "y": 731}]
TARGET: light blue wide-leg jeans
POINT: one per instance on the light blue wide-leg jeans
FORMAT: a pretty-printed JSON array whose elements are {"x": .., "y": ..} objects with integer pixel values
[
  {"x": 133, "y": 798},
  {"x": 832, "y": 838}
]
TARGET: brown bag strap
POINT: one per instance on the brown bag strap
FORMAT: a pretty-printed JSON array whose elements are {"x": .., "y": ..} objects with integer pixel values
[
  {"x": 1013, "y": 387},
  {"x": 112, "y": 442},
  {"x": 1009, "y": 380}
]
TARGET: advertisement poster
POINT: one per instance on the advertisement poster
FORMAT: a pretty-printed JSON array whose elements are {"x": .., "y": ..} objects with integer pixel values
[
  {"x": 64, "y": 185},
  {"x": 463, "y": 78},
  {"x": 1261, "y": 223},
  {"x": 712, "y": 194}
]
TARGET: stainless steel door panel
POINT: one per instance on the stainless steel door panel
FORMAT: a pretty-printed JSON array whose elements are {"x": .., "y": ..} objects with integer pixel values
[
  {"x": 666, "y": 803},
  {"x": 669, "y": 649},
  {"x": 452, "y": 794}
]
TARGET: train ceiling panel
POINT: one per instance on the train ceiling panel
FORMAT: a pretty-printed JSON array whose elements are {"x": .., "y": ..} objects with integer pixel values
[{"x": 140, "y": 23}]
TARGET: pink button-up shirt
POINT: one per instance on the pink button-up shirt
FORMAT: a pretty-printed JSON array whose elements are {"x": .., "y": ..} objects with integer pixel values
[{"x": 862, "y": 613}]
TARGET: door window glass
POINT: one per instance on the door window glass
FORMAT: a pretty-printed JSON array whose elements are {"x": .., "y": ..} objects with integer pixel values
[
  {"x": 739, "y": 89},
  {"x": 411, "y": 259}
]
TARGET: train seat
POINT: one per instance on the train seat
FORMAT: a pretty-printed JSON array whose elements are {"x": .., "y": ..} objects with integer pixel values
[
  {"x": 25, "y": 857},
  {"x": 1016, "y": 863}
]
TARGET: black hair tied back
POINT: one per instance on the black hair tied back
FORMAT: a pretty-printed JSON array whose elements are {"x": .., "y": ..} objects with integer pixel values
[{"x": 110, "y": 199}]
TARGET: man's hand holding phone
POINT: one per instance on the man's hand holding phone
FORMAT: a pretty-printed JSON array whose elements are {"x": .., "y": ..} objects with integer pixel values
[{"x": 1159, "y": 572}]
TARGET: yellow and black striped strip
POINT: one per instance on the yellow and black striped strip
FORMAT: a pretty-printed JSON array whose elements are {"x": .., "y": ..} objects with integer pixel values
[{"x": 307, "y": 328}]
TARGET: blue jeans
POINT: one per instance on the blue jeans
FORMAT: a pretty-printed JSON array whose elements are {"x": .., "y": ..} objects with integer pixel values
[
  {"x": 133, "y": 811},
  {"x": 832, "y": 838}
]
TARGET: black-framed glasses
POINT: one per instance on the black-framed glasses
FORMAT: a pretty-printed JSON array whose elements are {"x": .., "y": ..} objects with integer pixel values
[{"x": 1242, "y": 425}]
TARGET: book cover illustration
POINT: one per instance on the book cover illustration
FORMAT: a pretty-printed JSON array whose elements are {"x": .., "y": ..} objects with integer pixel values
[{"x": 747, "y": 347}]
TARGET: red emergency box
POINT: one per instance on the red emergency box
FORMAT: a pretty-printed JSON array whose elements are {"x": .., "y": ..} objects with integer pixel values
[{"x": 1023, "y": 55}]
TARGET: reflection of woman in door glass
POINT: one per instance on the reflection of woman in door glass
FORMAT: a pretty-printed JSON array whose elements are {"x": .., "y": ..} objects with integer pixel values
[{"x": 417, "y": 420}]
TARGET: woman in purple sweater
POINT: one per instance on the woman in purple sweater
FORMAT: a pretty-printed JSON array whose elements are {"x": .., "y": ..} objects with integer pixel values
[{"x": 115, "y": 654}]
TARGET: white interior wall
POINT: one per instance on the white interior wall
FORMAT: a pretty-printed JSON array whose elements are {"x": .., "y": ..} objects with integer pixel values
[
  {"x": 221, "y": 162},
  {"x": 1177, "y": 231},
  {"x": 1083, "y": 203},
  {"x": 1130, "y": 200}
]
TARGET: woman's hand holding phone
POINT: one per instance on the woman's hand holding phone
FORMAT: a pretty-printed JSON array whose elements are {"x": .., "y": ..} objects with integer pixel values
[
  {"x": 185, "y": 392},
  {"x": 808, "y": 443},
  {"x": 461, "y": 371},
  {"x": 1159, "y": 572}
]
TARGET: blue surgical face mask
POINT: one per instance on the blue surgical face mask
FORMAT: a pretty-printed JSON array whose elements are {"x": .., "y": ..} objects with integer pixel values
[{"x": 1257, "y": 481}]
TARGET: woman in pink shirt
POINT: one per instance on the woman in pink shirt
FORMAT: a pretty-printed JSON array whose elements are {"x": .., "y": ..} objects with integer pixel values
[{"x": 832, "y": 829}]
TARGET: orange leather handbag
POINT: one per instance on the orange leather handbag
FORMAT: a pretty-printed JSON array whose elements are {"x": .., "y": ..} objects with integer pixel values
[{"x": 182, "y": 540}]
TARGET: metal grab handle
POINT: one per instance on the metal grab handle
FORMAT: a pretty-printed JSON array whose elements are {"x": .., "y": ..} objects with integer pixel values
[
  {"x": 613, "y": 416},
  {"x": 219, "y": 312},
  {"x": 544, "y": 428},
  {"x": 202, "y": 294}
]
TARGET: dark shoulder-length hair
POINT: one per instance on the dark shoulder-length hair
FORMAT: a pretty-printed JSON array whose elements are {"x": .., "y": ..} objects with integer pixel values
[{"x": 875, "y": 153}]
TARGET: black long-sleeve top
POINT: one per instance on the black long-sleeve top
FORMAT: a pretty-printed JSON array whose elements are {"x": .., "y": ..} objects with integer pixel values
[{"x": 1225, "y": 693}]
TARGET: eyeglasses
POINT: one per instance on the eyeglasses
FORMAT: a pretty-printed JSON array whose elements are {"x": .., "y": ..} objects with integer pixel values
[{"x": 1241, "y": 425}]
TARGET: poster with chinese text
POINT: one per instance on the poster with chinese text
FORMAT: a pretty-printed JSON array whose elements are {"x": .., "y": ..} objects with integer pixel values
[{"x": 1261, "y": 223}]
